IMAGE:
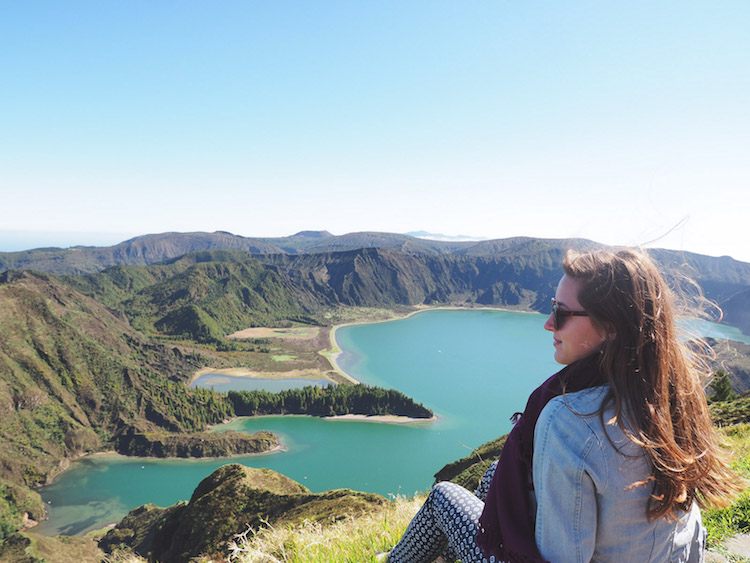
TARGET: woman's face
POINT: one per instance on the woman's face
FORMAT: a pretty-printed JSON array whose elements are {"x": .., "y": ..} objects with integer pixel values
[{"x": 576, "y": 337}]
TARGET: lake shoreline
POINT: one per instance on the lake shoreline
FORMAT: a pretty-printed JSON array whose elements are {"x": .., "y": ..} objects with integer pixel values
[
  {"x": 276, "y": 449},
  {"x": 310, "y": 374},
  {"x": 332, "y": 354},
  {"x": 335, "y": 351}
]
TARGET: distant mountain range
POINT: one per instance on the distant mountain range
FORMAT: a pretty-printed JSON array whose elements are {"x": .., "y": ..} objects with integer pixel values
[
  {"x": 442, "y": 237},
  {"x": 383, "y": 269},
  {"x": 150, "y": 249}
]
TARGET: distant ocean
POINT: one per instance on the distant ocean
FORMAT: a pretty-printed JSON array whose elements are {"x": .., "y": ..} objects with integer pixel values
[{"x": 14, "y": 241}]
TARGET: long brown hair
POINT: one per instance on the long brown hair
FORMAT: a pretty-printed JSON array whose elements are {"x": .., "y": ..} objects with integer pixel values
[{"x": 655, "y": 380}]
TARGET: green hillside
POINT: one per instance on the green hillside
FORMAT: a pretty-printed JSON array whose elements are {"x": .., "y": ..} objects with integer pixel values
[
  {"x": 201, "y": 297},
  {"x": 76, "y": 378}
]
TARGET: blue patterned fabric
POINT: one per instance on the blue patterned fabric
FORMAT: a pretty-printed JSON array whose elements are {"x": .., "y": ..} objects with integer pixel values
[{"x": 445, "y": 525}]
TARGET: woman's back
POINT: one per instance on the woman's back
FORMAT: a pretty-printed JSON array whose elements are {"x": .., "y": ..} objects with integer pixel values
[{"x": 593, "y": 484}]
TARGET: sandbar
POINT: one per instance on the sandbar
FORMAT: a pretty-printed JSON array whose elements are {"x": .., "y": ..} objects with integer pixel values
[
  {"x": 295, "y": 333},
  {"x": 393, "y": 419},
  {"x": 311, "y": 374}
]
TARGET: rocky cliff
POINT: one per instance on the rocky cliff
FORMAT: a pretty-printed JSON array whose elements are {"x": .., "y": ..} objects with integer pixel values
[{"x": 229, "y": 501}]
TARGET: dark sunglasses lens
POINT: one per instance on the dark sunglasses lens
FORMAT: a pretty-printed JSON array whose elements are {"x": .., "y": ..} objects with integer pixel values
[{"x": 555, "y": 318}]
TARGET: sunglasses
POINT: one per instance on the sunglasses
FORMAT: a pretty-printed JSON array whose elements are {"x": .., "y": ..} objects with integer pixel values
[{"x": 559, "y": 314}]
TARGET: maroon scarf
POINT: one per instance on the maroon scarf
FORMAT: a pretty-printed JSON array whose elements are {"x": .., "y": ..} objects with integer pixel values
[{"x": 506, "y": 527}]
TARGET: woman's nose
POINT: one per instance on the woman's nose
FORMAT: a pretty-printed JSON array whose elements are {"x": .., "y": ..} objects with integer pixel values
[{"x": 549, "y": 325}]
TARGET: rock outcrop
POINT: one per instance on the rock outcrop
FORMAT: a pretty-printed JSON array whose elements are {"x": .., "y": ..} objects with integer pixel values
[{"x": 227, "y": 502}]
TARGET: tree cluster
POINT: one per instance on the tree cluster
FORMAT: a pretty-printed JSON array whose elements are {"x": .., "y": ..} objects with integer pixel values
[{"x": 328, "y": 401}]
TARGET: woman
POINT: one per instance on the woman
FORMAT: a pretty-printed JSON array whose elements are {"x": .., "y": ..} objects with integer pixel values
[{"x": 612, "y": 455}]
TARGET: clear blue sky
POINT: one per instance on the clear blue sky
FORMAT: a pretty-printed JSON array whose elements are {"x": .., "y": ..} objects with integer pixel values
[{"x": 614, "y": 121}]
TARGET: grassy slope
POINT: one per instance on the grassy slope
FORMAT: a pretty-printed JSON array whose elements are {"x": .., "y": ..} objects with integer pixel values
[{"x": 350, "y": 540}]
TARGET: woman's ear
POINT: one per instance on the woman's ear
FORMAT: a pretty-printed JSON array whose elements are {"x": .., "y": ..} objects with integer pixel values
[
  {"x": 610, "y": 330},
  {"x": 607, "y": 332}
]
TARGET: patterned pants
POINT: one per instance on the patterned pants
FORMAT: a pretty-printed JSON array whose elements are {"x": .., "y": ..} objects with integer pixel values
[{"x": 445, "y": 525}]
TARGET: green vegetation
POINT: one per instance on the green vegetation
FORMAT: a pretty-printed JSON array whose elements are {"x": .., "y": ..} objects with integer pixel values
[
  {"x": 232, "y": 498},
  {"x": 15, "y": 502},
  {"x": 722, "y": 388},
  {"x": 727, "y": 522},
  {"x": 144, "y": 443},
  {"x": 200, "y": 297},
  {"x": 333, "y": 400},
  {"x": 728, "y": 413},
  {"x": 76, "y": 378},
  {"x": 174, "y": 406},
  {"x": 347, "y": 540}
]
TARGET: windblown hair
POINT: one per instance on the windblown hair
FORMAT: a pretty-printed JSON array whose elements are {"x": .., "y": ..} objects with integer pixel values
[{"x": 655, "y": 378}]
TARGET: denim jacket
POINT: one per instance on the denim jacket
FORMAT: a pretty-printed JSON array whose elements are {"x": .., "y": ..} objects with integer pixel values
[{"x": 588, "y": 508}]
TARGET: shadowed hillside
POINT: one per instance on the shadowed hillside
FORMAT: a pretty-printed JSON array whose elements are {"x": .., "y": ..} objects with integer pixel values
[
  {"x": 205, "y": 293},
  {"x": 384, "y": 277}
]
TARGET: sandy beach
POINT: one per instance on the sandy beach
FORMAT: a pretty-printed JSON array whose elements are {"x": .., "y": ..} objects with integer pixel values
[{"x": 381, "y": 418}]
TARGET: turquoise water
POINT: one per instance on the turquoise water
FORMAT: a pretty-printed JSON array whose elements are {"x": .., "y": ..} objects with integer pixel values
[
  {"x": 699, "y": 327},
  {"x": 473, "y": 368},
  {"x": 223, "y": 383}
]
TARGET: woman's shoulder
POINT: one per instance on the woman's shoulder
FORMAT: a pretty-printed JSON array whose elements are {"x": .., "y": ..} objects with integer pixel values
[
  {"x": 581, "y": 403},
  {"x": 574, "y": 417}
]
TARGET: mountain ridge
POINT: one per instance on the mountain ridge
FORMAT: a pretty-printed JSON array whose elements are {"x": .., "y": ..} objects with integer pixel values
[
  {"x": 153, "y": 248},
  {"x": 723, "y": 279}
]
